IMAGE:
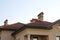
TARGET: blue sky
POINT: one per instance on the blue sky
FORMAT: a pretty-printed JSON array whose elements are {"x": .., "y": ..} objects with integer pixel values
[{"x": 24, "y": 10}]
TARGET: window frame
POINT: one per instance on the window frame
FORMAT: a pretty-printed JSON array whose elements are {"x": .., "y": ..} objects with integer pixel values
[
  {"x": 35, "y": 38},
  {"x": 58, "y": 37},
  {"x": 59, "y": 26}
]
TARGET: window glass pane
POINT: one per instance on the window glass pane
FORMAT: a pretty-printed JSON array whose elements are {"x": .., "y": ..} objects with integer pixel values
[
  {"x": 57, "y": 38},
  {"x": 58, "y": 26},
  {"x": 35, "y": 39}
]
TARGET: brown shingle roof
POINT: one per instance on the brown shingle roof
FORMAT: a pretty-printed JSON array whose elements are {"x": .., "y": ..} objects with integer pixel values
[
  {"x": 55, "y": 22},
  {"x": 39, "y": 24},
  {"x": 14, "y": 26}
]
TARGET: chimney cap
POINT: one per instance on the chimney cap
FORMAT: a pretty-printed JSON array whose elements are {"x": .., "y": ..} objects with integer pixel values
[{"x": 40, "y": 13}]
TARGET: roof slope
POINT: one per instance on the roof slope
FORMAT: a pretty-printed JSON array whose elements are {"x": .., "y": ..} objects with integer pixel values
[
  {"x": 40, "y": 24},
  {"x": 54, "y": 22},
  {"x": 14, "y": 26}
]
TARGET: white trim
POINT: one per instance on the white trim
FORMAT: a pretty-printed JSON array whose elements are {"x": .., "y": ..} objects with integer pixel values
[{"x": 28, "y": 36}]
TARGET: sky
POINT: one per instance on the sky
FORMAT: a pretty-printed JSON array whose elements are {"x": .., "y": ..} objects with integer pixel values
[{"x": 24, "y": 10}]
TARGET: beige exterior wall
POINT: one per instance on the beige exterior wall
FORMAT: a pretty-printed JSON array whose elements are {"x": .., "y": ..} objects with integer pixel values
[
  {"x": 51, "y": 33},
  {"x": 6, "y": 35},
  {"x": 21, "y": 35}
]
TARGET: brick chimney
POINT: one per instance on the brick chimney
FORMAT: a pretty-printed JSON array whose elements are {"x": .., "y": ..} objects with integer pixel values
[
  {"x": 6, "y": 22},
  {"x": 40, "y": 16}
]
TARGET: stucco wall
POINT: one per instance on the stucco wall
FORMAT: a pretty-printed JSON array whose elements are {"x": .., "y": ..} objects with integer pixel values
[
  {"x": 21, "y": 35},
  {"x": 6, "y": 35},
  {"x": 51, "y": 33}
]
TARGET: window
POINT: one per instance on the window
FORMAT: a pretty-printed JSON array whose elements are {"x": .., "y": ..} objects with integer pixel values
[
  {"x": 35, "y": 38},
  {"x": 59, "y": 26},
  {"x": 58, "y": 38}
]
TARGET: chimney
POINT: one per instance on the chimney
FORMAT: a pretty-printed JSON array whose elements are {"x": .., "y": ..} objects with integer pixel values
[
  {"x": 6, "y": 22},
  {"x": 40, "y": 16}
]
